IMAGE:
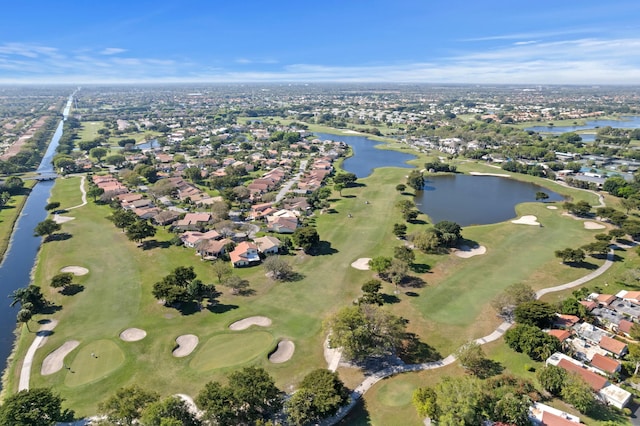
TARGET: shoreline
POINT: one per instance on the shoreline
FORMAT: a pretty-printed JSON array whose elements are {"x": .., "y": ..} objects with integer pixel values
[{"x": 6, "y": 240}]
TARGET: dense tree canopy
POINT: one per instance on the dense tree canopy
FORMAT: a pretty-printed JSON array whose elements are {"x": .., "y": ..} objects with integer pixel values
[
  {"x": 365, "y": 330},
  {"x": 34, "y": 407},
  {"x": 249, "y": 396},
  {"x": 320, "y": 395},
  {"x": 127, "y": 404}
]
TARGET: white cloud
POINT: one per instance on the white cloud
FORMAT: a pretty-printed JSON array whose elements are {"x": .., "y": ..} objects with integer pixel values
[
  {"x": 575, "y": 61},
  {"x": 112, "y": 51}
]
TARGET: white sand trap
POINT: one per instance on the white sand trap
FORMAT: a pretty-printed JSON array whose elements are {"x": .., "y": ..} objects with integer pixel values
[
  {"x": 361, "y": 264},
  {"x": 593, "y": 225},
  {"x": 552, "y": 207},
  {"x": 466, "y": 252},
  {"x": 186, "y": 344},
  {"x": 248, "y": 322},
  {"x": 489, "y": 174},
  {"x": 75, "y": 270},
  {"x": 133, "y": 334},
  {"x": 527, "y": 220},
  {"x": 351, "y": 132},
  {"x": 62, "y": 219},
  {"x": 55, "y": 360},
  {"x": 283, "y": 352}
]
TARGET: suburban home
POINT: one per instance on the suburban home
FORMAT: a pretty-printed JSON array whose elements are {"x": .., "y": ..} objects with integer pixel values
[
  {"x": 165, "y": 217},
  {"x": 212, "y": 249},
  {"x": 607, "y": 392},
  {"x": 193, "y": 221},
  {"x": 605, "y": 364},
  {"x": 589, "y": 304},
  {"x": 631, "y": 296},
  {"x": 604, "y": 299},
  {"x": 268, "y": 244},
  {"x": 561, "y": 335},
  {"x": 624, "y": 327},
  {"x": 192, "y": 238},
  {"x": 282, "y": 225},
  {"x": 613, "y": 346},
  {"x": 545, "y": 415},
  {"x": 565, "y": 321},
  {"x": 245, "y": 254}
]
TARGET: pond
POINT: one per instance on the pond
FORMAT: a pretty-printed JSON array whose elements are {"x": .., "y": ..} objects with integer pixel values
[
  {"x": 625, "y": 122},
  {"x": 366, "y": 157},
  {"x": 476, "y": 200}
]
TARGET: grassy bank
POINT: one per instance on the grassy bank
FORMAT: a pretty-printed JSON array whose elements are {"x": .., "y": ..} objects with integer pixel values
[{"x": 9, "y": 214}]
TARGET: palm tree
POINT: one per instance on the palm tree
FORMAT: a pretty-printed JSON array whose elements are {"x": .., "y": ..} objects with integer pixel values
[{"x": 25, "y": 315}]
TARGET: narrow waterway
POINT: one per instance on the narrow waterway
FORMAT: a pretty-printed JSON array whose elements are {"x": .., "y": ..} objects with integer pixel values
[{"x": 15, "y": 270}]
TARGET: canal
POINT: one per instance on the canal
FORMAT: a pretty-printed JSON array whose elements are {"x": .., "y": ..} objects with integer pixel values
[{"x": 20, "y": 258}]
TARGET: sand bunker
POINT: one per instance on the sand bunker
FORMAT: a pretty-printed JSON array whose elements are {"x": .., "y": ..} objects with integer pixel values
[
  {"x": 527, "y": 220},
  {"x": 283, "y": 352},
  {"x": 552, "y": 207},
  {"x": 75, "y": 270},
  {"x": 466, "y": 252},
  {"x": 133, "y": 335},
  {"x": 55, "y": 360},
  {"x": 248, "y": 322},
  {"x": 186, "y": 344},
  {"x": 361, "y": 264},
  {"x": 489, "y": 174},
  {"x": 593, "y": 225},
  {"x": 62, "y": 219}
]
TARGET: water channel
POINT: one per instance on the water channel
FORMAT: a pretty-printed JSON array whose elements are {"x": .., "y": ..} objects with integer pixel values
[{"x": 19, "y": 260}]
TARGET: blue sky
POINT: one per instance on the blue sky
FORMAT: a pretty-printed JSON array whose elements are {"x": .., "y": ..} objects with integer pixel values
[{"x": 431, "y": 41}]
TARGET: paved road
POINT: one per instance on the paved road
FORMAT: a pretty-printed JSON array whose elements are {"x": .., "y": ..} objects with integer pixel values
[{"x": 287, "y": 186}]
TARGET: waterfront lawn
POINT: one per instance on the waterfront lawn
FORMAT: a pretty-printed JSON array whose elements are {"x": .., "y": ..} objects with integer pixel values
[{"x": 9, "y": 214}]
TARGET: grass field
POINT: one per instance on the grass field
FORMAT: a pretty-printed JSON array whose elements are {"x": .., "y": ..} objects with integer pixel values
[
  {"x": 89, "y": 130},
  {"x": 9, "y": 214},
  {"x": 452, "y": 308}
]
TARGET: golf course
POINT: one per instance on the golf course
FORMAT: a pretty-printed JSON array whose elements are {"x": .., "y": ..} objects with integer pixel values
[{"x": 449, "y": 308}]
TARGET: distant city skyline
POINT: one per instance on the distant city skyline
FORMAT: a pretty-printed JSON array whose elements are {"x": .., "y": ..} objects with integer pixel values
[{"x": 404, "y": 41}]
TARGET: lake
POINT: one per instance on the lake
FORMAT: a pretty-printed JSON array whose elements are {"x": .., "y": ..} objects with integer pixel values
[
  {"x": 476, "y": 200},
  {"x": 626, "y": 122},
  {"x": 366, "y": 157}
]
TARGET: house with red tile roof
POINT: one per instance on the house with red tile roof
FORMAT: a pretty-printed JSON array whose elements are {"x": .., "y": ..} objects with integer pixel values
[
  {"x": 589, "y": 304},
  {"x": 605, "y": 364},
  {"x": 613, "y": 346},
  {"x": 605, "y": 299},
  {"x": 565, "y": 321},
  {"x": 245, "y": 254},
  {"x": 561, "y": 335},
  {"x": 609, "y": 393},
  {"x": 624, "y": 327}
]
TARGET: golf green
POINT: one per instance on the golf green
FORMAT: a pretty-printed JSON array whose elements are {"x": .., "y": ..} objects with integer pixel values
[
  {"x": 229, "y": 349},
  {"x": 94, "y": 361}
]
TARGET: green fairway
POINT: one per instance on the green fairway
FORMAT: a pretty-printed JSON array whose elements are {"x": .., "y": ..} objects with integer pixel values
[
  {"x": 89, "y": 130},
  {"x": 94, "y": 361},
  {"x": 225, "y": 350}
]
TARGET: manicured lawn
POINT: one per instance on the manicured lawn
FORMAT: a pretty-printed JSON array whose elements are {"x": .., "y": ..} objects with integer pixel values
[
  {"x": 225, "y": 350},
  {"x": 86, "y": 368},
  {"x": 89, "y": 130},
  {"x": 452, "y": 308}
]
